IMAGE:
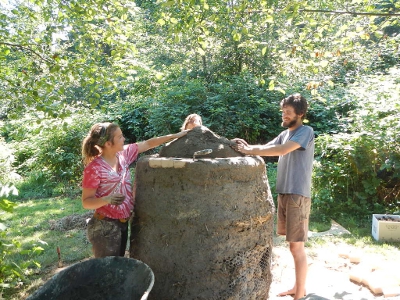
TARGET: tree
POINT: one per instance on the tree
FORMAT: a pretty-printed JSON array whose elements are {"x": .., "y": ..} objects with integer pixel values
[
  {"x": 281, "y": 41},
  {"x": 54, "y": 53}
]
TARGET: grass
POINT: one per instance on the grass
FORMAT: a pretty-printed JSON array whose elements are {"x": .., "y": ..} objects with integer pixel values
[
  {"x": 32, "y": 224},
  {"x": 319, "y": 223}
]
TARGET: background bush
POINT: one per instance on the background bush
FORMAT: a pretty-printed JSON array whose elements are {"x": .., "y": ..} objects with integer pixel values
[
  {"x": 47, "y": 152},
  {"x": 358, "y": 170}
]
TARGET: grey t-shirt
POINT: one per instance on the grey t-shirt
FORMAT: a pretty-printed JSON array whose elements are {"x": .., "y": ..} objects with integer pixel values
[{"x": 295, "y": 168}]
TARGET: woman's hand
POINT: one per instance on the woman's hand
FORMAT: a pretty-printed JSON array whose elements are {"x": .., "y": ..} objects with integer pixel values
[
  {"x": 114, "y": 199},
  {"x": 180, "y": 134},
  {"x": 157, "y": 141}
]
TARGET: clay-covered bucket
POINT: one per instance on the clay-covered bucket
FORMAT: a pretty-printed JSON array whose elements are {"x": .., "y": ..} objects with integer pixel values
[{"x": 100, "y": 278}]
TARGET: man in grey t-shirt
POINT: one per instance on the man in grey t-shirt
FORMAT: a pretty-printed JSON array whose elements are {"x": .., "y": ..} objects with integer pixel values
[{"x": 295, "y": 148}]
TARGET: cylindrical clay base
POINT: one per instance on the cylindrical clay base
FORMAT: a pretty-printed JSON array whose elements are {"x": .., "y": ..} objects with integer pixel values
[{"x": 204, "y": 227}]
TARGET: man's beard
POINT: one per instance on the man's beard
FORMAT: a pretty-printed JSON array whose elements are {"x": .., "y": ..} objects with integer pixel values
[{"x": 290, "y": 124}]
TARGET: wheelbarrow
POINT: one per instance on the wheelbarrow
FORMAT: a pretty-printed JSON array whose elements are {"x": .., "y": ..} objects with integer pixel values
[{"x": 99, "y": 278}]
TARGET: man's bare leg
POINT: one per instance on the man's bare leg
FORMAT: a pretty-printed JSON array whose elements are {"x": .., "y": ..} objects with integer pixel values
[{"x": 300, "y": 266}]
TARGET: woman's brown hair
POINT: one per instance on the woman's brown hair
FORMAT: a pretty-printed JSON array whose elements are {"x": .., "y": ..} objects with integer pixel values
[{"x": 98, "y": 135}]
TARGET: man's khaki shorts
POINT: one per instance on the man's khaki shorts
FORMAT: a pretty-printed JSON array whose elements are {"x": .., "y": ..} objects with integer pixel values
[{"x": 293, "y": 216}]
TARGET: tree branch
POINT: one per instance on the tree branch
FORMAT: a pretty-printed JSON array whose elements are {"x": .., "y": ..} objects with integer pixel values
[
  {"x": 338, "y": 12},
  {"x": 27, "y": 48}
]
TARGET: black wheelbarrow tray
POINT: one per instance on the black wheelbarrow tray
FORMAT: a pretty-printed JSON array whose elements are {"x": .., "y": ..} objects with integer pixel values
[{"x": 99, "y": 278}]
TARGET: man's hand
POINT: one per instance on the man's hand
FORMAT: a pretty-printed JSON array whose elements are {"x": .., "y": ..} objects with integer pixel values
[
  {"x": 114, "y": 199},
  {"x": 239, "y": 141},
  {"x": 241, "y": 146}
]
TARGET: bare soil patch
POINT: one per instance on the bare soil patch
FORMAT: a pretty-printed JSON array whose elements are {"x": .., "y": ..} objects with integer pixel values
[
  {"x": 330, "y": 267},
  {"x": 74, "y": 221}
]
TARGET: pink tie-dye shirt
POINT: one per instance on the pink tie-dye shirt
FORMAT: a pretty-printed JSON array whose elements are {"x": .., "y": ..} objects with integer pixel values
[{"x": 99, "y": 175}]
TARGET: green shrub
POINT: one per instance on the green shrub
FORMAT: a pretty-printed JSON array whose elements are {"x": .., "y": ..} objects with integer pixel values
[
  {"x": 358, "y": 170},
  {"x": 235, "y": 108},
  {"x": 48, "y": 152}
]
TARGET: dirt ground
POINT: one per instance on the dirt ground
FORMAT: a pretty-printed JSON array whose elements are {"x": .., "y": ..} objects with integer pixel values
[{"x": 329, "y": 269}]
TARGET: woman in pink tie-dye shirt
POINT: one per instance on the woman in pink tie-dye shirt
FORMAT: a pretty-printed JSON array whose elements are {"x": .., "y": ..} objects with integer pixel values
[{"x": 107, "y": 185}]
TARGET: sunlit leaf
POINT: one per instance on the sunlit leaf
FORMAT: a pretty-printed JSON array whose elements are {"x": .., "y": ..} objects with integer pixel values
[
  {"x": 237, "y": 36},
  {"x": 269, "y": 19},
  {"x": 161, "y": 22},
  {"x": 201, "y": 51},
  {"x": 271, "y": 85},
  {"x": 378, "y": 34},
  {"x": 264, "y": 50},
  {"x": 7, "y": 205},
  {"x": 169, "y": 3},
  {"x": 2, "y": 226},
  {"x": 282, "y": 91},
  {"x": 365, "y": 36},
  {"x": 324, "y": 63},
  {"x": 159, "y": 76}
]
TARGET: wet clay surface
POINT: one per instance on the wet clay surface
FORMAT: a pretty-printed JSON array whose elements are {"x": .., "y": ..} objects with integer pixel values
[{"x": 197, "y": 139}]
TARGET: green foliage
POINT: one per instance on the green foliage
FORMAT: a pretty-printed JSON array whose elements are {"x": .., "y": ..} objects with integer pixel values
[
  {"x": 48, "y": 152},
  {"x": 235, "y": 107},
  {"x": 271, "y": 169},
  {"x": 7, "y": 158},
  {"x": 148, "y": 66},
  {"x": 239, "y": 107},
  {"x": 12, "y": 273},
  {"x": 54, "y": 54},
  {"x": 232, "y": 108},
  {"x": 358, "y": 170},
  {"x": 345, "y": 179},
  {"x": 275, "y": 40},
  {"x": 319, "y": 222}
]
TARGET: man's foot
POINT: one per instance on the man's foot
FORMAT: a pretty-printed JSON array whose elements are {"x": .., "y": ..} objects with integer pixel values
[{"x": 290, "y": 292}]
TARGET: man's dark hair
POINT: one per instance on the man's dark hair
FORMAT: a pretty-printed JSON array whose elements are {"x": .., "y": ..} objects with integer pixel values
[{"x": 298, "y": 102}]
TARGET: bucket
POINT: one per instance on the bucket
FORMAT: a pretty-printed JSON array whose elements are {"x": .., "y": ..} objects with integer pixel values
[{"x": 100, "y": 278}]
